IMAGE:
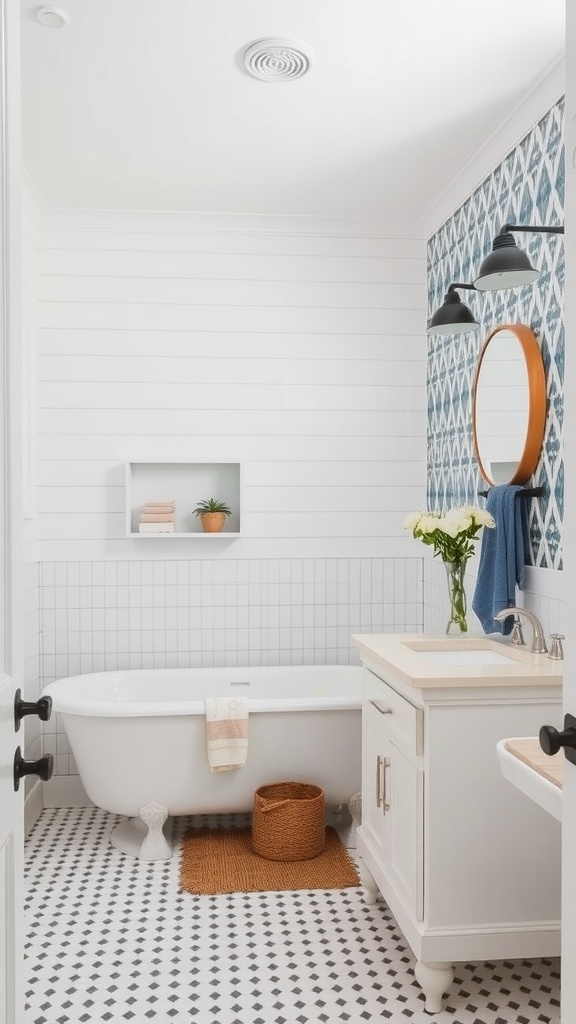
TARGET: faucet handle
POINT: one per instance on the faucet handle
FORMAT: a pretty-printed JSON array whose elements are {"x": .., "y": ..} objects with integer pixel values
[
  {"x": 517, "y": 634},
  {"x": 556, "y": 650}
]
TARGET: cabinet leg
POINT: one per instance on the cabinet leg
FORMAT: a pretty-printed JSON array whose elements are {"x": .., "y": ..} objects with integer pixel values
[
  {"x": 368, "y": 882},
  {"x": 433, "y": 979}
]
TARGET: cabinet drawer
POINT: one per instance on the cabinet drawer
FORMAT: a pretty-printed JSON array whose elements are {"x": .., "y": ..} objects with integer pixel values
[{"x": 403, "y": 722}]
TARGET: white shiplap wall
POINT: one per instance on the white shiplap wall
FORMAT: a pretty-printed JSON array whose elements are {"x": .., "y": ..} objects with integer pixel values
[{"x": 295, "y": 347}]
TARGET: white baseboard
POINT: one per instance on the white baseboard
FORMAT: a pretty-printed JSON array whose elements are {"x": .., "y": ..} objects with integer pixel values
[
  {"x": 33, "y": 807},
  {"x": 65, "y": 791}
]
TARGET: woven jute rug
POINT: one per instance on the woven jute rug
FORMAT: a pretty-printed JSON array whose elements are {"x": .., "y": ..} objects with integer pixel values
[{"x": 222, "y": 860}]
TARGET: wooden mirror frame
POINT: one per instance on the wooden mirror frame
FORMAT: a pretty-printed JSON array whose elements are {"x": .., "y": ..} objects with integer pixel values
[{"x": 536, "y": 402}]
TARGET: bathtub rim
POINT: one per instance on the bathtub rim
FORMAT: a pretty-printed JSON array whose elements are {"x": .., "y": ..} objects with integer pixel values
[
  {"x": 86, "y": 705},
  {"x": 180, "y": 709}
]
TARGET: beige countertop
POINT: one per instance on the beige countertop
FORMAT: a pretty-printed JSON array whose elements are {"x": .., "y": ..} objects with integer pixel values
[{"x": 427, "y": 660}]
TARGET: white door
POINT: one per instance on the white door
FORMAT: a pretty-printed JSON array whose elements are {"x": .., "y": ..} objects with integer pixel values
[
  {"x": 11, "y": 803},
  {"x": 569, "y": 787},
  {"x": 11, "y": 866}
]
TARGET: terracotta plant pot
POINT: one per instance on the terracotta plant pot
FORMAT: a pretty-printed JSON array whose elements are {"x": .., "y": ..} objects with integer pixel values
[{"x": 213, "y": 522}]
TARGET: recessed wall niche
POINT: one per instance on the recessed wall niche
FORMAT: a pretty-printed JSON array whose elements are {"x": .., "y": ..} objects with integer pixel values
[{"x": 185, "y": 483}]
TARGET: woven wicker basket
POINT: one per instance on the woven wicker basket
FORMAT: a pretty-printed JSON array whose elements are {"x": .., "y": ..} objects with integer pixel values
[{"x": 288, "y": 821}]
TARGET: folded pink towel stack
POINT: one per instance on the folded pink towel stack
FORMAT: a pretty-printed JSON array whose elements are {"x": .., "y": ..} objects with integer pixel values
[{"x": 158, "y": 517}]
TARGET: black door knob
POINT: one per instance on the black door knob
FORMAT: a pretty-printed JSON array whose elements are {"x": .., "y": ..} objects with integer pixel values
[
  {"x": 42, "y": 708},
  {"x": 551, "y": 740},
  {"x": 43, "y": 767}
]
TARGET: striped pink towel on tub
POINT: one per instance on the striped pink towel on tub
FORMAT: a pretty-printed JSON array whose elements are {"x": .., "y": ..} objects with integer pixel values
[{"x": 226, "y": 732}]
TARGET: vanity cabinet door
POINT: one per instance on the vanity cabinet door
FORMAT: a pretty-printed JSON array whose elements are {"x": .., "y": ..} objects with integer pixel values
[{"x": 392, "y": 811}]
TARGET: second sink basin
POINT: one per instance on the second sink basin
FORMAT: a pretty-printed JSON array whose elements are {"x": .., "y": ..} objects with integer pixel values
[{"x": 537, "y": 776}]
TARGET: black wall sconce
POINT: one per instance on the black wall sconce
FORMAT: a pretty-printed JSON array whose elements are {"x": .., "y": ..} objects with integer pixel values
[
  {"x": 507, "y": 266},
  {"x": 453, "y": 316}
]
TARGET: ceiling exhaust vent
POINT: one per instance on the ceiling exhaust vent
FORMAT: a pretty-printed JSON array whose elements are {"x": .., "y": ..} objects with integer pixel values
[{"x": 277, "y": 60}]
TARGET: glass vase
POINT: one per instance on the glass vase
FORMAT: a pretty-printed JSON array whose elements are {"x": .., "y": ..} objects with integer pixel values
[{"x": 457, "y": 596}]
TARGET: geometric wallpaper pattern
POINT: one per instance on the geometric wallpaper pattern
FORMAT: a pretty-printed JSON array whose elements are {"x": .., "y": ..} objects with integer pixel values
[{"x": 527, "y": 187}]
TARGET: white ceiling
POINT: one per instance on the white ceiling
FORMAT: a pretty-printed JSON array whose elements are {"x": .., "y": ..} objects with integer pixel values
[{"x": 143, "y": 104}]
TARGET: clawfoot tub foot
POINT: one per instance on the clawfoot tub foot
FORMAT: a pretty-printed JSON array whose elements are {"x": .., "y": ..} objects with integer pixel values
[
  {"x": 155, "y": 845},
  {"x": 433, "y": 979},
  {"x": 144, "y": 837}
]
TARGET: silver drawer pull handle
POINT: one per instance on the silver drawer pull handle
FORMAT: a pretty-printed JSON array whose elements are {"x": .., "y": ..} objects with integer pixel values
[
  {"x": 378, "y": 781},
  {"x": 381, "y": 707},
  {"x": 385, "y": 803}
]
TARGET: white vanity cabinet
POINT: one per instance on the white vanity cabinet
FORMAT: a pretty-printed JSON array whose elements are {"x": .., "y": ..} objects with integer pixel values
[
  {"x": 470, "y": 869},
  {"x": 393, "y": 788}
]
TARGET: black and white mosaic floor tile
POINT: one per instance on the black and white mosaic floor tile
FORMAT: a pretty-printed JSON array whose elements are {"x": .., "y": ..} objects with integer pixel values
[{"x": 111, "y": 939}]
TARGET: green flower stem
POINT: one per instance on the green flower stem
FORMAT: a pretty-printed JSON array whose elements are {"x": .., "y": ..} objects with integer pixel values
[{"x": 457, "y": 596}]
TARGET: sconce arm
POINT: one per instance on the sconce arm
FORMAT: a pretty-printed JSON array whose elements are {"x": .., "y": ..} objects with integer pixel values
[
  {"x": 459, "y": 284},
  {"x": 557, "y": 230}
]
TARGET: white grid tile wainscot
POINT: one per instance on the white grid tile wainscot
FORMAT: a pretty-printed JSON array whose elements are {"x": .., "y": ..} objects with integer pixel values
[
  {"x": 101, "y": 616},
  {"x": 543, "y": 595}
]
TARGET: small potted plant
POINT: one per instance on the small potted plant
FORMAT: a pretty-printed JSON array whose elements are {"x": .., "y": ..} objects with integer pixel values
[{"x": 212, "y": 514}]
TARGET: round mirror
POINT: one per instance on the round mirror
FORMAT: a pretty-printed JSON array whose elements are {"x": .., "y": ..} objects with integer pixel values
[{"x": 509, "y": 405}]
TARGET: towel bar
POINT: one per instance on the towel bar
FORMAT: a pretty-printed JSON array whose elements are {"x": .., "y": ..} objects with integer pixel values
[{"x": 528, "y": 492}]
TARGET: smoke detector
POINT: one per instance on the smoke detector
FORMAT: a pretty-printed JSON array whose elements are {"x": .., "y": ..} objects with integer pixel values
[
  {"x": 51, "y": 17},
  {"x": 277, "y": 60}
]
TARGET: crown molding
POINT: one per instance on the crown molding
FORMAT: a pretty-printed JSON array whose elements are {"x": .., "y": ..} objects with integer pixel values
[{"x": 547, "y": 91}]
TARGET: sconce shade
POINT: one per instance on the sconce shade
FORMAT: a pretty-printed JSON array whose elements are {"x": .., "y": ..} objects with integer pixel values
[
  {"x": 506, "y": 266},
  {"x": 452, "y": 317}
]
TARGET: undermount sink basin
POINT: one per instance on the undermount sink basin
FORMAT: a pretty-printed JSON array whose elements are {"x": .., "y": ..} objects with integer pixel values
[
  {"x": 426, "y": 660},
  {"x": 479, "y": 656},
  {"x": 460, "y": 652}
]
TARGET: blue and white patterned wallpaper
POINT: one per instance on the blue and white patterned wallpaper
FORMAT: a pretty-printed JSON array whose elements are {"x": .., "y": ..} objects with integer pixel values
[{"x": 527, "y": 187}]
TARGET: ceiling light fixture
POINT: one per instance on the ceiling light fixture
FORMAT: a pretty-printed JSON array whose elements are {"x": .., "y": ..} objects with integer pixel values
[
  {"x": 277, "y": 60},
  {"x": 51, "y": 17},
  {"x": 507, "y": 266},
  {"x": 453, "y": 316}
]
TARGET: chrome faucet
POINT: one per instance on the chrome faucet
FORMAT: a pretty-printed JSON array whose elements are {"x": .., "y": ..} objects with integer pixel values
[{"x": 538, "y": 641}]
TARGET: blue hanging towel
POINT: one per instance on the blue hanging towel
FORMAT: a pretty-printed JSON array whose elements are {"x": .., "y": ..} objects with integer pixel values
[{"x": 501, "y": 559}]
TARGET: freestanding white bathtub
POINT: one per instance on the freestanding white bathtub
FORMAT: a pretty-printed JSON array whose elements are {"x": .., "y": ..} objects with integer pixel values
[{"x": 139, "y": 740}]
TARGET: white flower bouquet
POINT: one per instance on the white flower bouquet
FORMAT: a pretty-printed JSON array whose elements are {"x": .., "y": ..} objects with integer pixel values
[{"x": 451, "y": 534}]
